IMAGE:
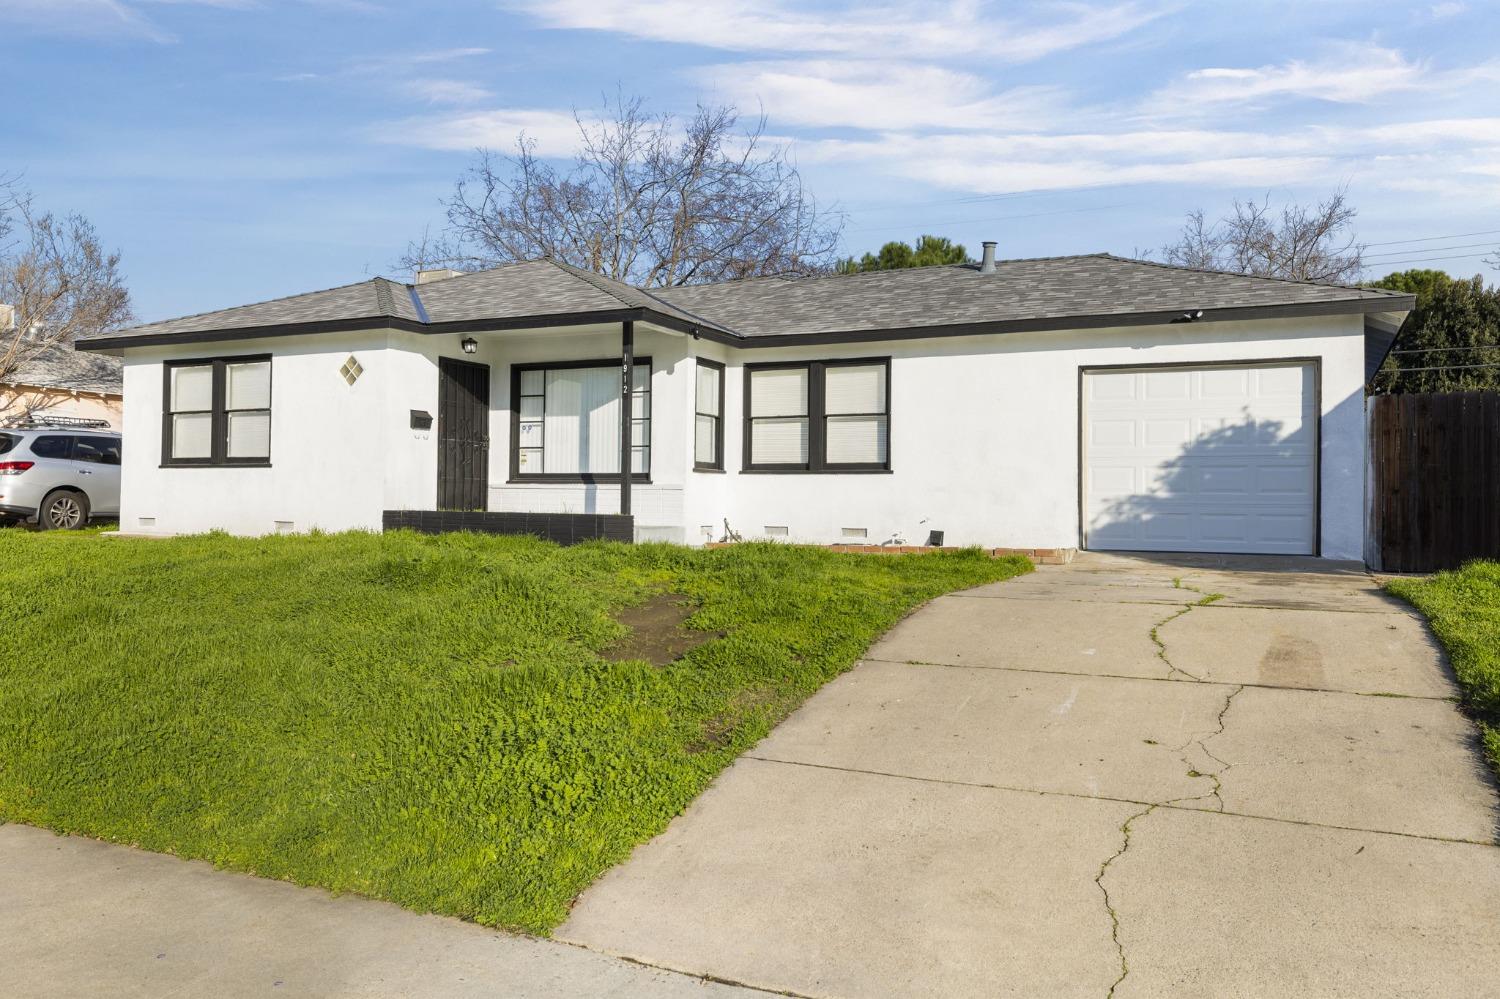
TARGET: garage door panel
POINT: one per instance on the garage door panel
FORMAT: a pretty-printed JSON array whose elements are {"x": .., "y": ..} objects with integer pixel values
[
  {"x": 1168, "y": 433},
  {"x": 1112, "y": 433},
  {"x": 1218, "y": 458},
  {"x": 1173, "y": 385},
  {"x": 1229, "y": 383}
]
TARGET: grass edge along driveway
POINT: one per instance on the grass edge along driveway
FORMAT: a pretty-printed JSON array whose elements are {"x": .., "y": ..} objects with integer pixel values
[
  {"x": 1463, "y": 608},
  {"x": 425, "y": 720}
]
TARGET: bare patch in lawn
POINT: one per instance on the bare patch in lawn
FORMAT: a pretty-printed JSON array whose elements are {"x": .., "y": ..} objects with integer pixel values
[
  {"x": 657, "y": 634},
  {"x": 719, "y": 729}
]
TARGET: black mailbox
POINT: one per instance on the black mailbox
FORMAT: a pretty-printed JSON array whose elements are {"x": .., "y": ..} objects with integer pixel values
[{"x": 421, "y": 419}]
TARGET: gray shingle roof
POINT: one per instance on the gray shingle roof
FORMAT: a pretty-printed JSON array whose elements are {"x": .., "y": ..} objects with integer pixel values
[
  {"x": 59, "y": 366},
  {"x": 1036, "y": 291}
]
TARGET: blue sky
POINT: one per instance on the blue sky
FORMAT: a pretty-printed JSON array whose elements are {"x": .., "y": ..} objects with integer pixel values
[{"x": 236, "y": 150}]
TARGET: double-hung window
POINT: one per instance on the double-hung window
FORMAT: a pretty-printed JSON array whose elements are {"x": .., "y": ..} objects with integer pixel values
[
  {"x": 818, "y": 416},
  {"x": 565, "y": 422},
  {"x": 708, "y": 417},
  {"x": 217, "y": 412}
]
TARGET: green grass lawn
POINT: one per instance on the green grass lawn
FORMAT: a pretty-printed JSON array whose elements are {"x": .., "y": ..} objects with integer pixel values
[
  {"x": 1463, "y": 607},
  {"x": 425, "y": 720}
]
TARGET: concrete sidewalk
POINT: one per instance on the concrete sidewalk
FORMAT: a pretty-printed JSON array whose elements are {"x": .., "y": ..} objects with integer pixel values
[
  {"x": 1087, "y": 782},
  {"x": 88, "y": 919}
]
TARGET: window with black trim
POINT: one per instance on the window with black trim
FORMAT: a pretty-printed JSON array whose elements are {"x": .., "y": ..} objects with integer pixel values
[
  {"x": 708, "y": 416},
  {"x": 565, "y": 423},
  {"x": 217, "y": 412},
  {"x": 818, "y": 416}
]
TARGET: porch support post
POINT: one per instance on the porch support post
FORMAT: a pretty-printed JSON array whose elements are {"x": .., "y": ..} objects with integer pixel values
[{"x": 627, "y": 409}]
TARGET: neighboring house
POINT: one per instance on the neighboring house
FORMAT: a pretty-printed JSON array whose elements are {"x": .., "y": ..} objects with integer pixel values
[
  {"x": 1076, "y": 401},
  {"x": 57, "y": 380}
]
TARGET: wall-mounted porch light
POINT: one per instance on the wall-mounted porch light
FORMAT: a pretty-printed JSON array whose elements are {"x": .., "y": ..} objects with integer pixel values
[{"x": 469, "y": 344}]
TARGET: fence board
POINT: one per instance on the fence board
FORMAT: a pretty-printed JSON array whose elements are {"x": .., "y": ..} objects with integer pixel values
[{"x": 1436, "y": 479}]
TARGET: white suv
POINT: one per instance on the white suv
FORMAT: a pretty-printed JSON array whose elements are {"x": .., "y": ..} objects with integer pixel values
[{"x": 59, "y": 475}]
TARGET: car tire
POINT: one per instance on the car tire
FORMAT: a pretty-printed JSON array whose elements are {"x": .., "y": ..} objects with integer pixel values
[{"x": 63, "y": 510}]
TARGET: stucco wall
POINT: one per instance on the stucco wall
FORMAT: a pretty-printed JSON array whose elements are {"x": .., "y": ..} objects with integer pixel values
[
  {"x": 984, "y": 435},
  {"x": 328, "y": 444}
]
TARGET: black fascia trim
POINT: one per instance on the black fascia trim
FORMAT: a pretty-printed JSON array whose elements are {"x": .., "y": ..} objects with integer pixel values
[
  {"x": 1390, "y": 303},
  {"x": 1061, "y": 324},
  {"x": 374, "y": 323}
]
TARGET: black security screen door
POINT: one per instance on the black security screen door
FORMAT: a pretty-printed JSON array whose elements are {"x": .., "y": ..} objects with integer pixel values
[{"x": 463, "y": 434}]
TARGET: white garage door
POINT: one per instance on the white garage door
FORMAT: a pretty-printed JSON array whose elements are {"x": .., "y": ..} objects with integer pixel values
[{"x": 1210, "y": 459}]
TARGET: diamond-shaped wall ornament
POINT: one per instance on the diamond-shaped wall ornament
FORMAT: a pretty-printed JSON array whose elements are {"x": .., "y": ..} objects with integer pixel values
[{"x": 351, "y": 370}]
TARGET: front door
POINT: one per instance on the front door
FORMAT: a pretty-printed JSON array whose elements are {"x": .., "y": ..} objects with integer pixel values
[{"x": 463, "y": 422}]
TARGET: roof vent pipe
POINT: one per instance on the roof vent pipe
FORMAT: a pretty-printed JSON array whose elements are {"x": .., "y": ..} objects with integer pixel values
[{"x": 987, "y": 263}]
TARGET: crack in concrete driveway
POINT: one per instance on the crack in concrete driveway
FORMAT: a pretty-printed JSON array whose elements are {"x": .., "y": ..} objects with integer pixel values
[{"x": 934, "y": 823}]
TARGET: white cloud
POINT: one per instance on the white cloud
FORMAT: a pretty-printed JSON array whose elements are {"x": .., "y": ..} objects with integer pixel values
[
  {"x": 1442, "y": 11},
  {"x": 446, "y": 91},
  {"x": 1349, "y": 74},
  {"x": 555, "y": 132},
  {"x": 868, "y": 94},
  {"x": 101, "y": 18},
  {"x": 931, "y": 28},
  {"x": 1458, "y": 156}
]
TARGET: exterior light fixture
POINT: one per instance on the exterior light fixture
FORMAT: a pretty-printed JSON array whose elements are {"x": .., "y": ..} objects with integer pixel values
[{"x": 469, "y": 344}]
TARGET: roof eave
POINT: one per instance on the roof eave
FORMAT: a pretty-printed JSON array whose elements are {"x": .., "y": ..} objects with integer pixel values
[
  {"x": 108, "y": 344},
  {"x": 1354, "y": 306},
  {"x": 1053, "y": 324}
]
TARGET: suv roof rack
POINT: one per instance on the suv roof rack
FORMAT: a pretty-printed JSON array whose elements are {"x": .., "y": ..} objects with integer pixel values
[{"x": 72, "y": 422}]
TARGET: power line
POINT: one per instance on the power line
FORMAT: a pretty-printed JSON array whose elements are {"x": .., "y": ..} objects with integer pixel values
[
  {"x": 1423, "y": 260},
  {"x": 1430, "y": 239},
  {"x": 1436, "y": 249}
]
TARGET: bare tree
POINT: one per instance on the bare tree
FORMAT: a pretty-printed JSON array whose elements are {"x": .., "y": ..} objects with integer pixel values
[
  {"x": 642, "y": 201},
  {"x": 56, "y": 282},
  {"x": 1300, "y": 243}
]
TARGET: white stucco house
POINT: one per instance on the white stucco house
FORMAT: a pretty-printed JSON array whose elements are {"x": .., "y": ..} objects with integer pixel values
[{"x": 1060, "y": 403}]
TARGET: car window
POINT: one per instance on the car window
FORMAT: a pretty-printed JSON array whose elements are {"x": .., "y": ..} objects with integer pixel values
[
  {"x": 51, "y": 446},
  {"x": 103, "y": 450},
  {"x": 8, "y": 441}
]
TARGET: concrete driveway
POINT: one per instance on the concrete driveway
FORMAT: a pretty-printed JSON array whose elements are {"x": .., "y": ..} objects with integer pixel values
[{"x": 1086, "y": 782}]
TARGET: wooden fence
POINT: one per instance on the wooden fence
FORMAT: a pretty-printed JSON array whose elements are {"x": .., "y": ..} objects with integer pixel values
[{"x": 1435, "y": 476}]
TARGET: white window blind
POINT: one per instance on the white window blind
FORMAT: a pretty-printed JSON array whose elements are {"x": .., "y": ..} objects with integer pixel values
[
  {"x": 192, "y": 388},
  {"x": 190, "y": 405},
  {"x": 192, "y": 435},
  {"x": 249, "y": 435},
  {"x": 708, "y": 389},
  {"x": 568, "y": 421},
  {"x": 857, "y": 430},
  {"x": 247, "y": 398},
  {"x": 820, "y": 416},
  {"x": 248, "y": 386},
  {"x": 778, "y": 416},
  {"x": 709, "y": 412},
  {"x": 220, "y": 411},
  {"x": 778, "y": 392},
  {"x": 779, "y": 441}
]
